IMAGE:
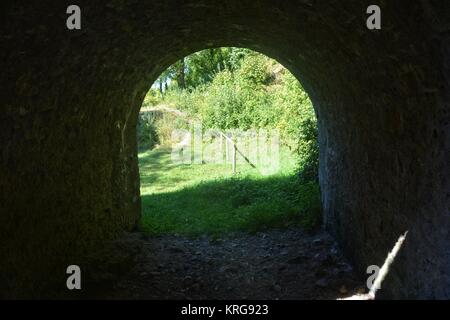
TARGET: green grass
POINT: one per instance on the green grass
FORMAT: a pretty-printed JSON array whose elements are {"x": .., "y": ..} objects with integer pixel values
[{"x": 207, "y": 199}]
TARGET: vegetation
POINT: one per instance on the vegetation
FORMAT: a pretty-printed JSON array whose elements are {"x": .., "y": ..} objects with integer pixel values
[
  {"x": 228, "y": 88},
  {"x": 205, "y": 199}
]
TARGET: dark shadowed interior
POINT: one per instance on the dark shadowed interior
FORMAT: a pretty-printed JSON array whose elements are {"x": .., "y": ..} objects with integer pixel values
[{"x": 70, "y": 101}]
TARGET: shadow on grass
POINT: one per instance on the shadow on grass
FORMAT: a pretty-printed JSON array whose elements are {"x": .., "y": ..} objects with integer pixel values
[{"x": 223, "y": 206}]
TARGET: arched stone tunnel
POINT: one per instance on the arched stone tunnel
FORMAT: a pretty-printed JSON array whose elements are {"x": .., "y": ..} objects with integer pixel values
[{"x": 70, "y": 98}]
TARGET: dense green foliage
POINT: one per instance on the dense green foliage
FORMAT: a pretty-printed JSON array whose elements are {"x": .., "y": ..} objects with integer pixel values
[
  {"x": 244, "y": 89},
  {"x": 202, "y": 67},
  {"x": 148, "y": 137}
]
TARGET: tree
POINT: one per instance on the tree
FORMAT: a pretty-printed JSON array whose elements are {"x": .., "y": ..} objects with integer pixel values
[
  {"x": 180, "y": 67},
  {"x": 201, "y": 67},
  {"x": 163, "y": 79}
]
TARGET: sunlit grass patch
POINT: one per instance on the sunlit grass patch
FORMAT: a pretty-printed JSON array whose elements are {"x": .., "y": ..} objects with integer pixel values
[{"x": 207, "y": 199}]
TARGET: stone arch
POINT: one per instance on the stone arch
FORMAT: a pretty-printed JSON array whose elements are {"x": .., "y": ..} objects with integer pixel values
[{"x": 70, "y": 101}]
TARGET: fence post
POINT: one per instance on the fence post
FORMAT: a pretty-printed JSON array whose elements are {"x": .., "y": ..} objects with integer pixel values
[
  {"x": 234, "y": 158},
  {"x": 227, "y": 158}
]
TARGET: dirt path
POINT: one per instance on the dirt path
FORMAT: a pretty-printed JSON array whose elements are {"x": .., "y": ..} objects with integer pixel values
[{"x": 287, "y": 264}]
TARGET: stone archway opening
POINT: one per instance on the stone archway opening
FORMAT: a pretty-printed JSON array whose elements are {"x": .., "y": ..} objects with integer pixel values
[
  {"x": 238, "y": 115},
  {"x": 69, "y": 156},
  {"x": 224, "y": 229}
]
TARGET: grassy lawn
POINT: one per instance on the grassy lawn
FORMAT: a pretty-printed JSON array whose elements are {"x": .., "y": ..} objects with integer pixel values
[{"x": 207, "y": 199}]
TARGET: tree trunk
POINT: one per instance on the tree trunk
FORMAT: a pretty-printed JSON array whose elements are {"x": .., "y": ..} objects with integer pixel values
[{"x": 181, "y": 75}]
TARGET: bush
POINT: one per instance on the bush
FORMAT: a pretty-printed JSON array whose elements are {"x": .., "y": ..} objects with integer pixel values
[{"x": 146, "y": 132}]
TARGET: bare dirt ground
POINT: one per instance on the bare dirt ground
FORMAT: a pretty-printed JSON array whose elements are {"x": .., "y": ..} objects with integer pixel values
[{"x": 279, "y": 264}]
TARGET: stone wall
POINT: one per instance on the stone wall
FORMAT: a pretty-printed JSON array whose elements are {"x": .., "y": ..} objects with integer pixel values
[{"x": 70, "y": 100}]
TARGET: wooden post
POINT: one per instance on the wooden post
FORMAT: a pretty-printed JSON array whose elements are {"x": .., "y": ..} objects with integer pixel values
[
  {"x": 234, "y": 152},
  {"x": 227, "y": 158},
  {"x": 221, "y": 149},
  {"x": 234, "y": 158}
]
